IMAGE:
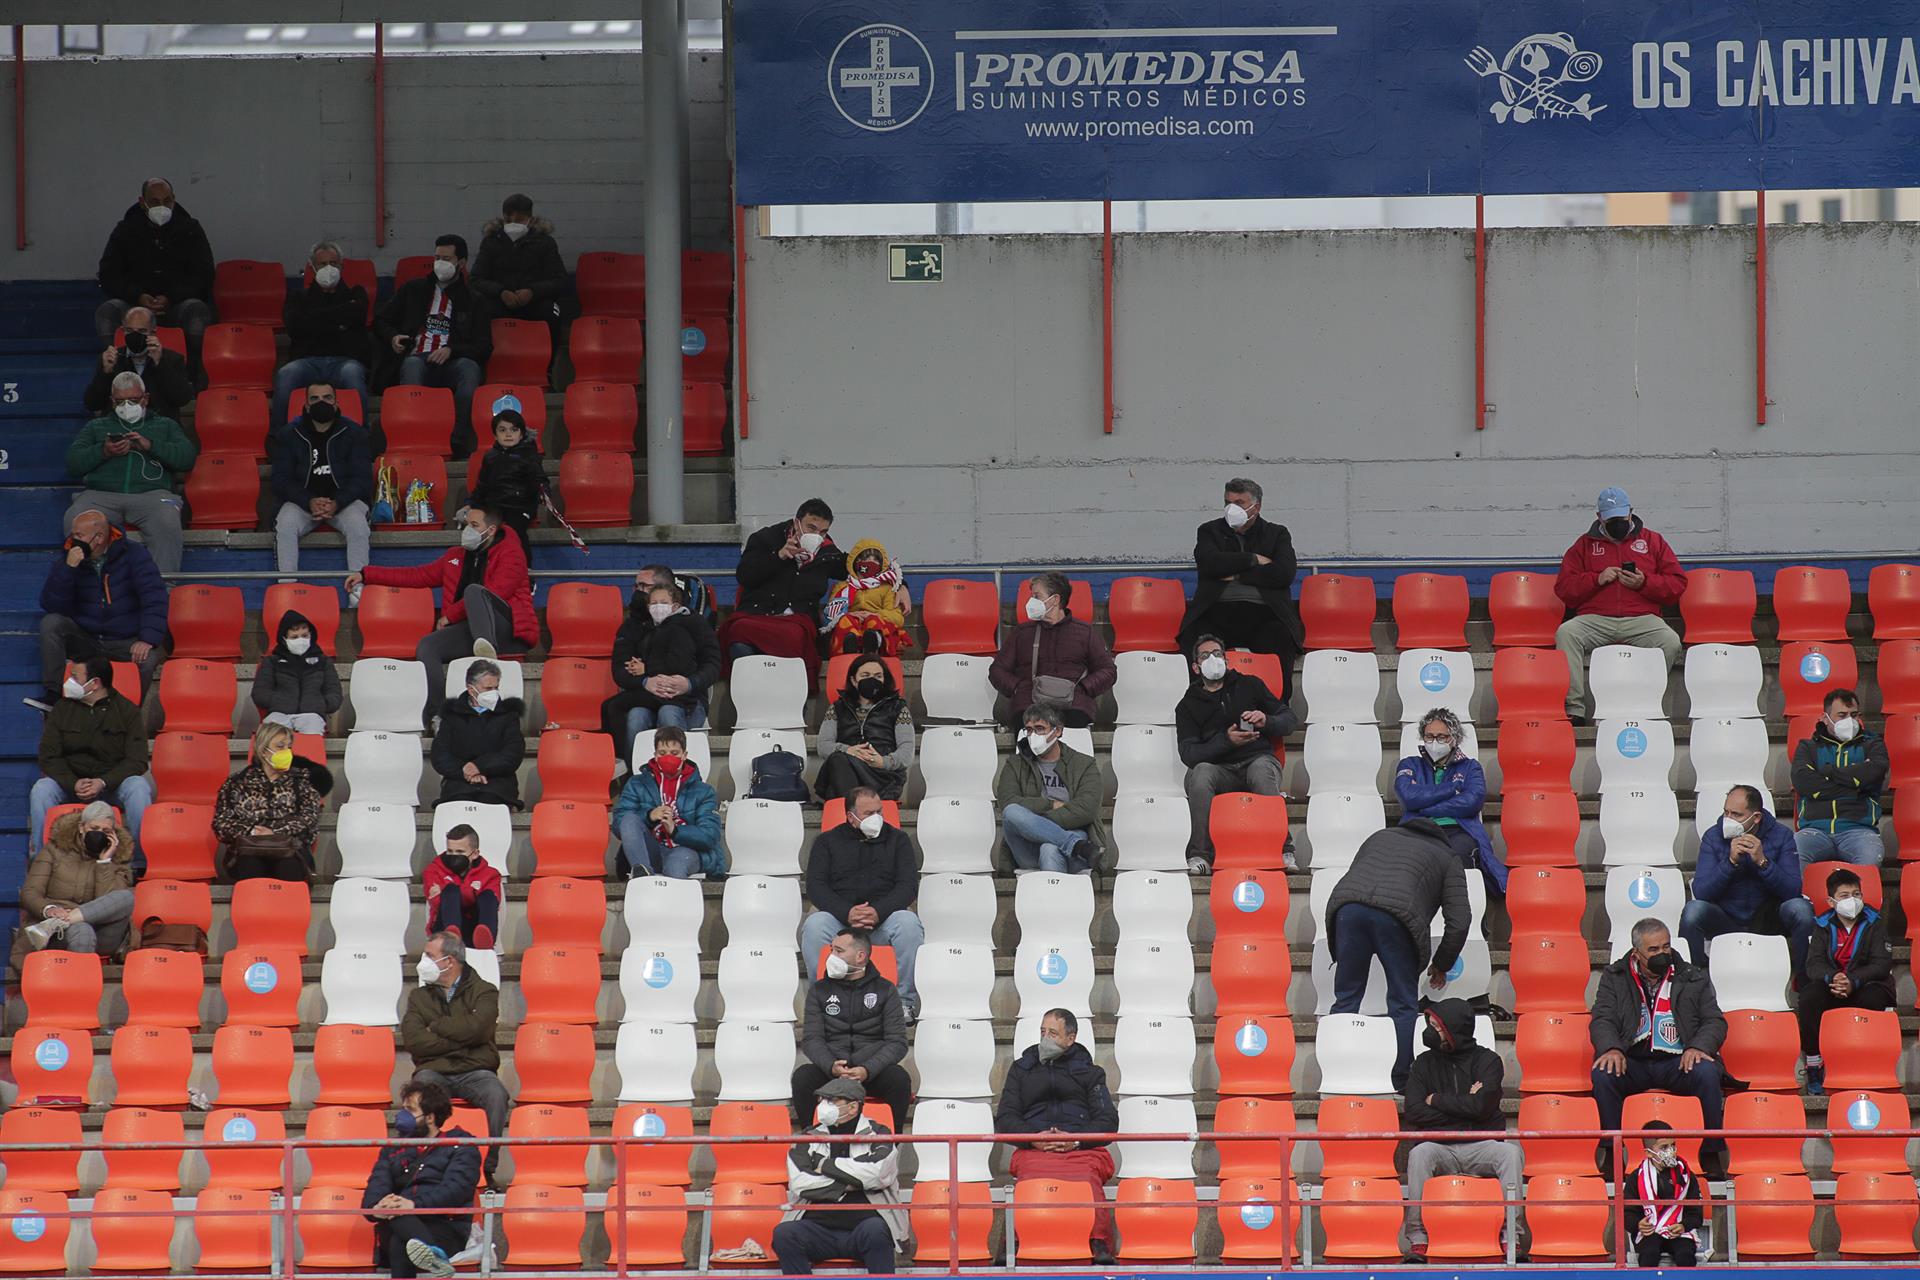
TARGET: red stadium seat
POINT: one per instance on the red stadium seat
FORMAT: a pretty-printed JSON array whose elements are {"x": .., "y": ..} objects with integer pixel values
[
  {"x": 233, "y": 1227},
  {"x": 261, "y": 987},
  {"x": 418, "y": 420},
  {"x": 572, "y": 690},
  {"x": 934, "y": 1222},
  {"x": 545, "y": 1224},
  {"x": 344, "y": 1166},
  {"x": 424, "y": 464},
  {"x": 1551, "y": 900},
  {"x": 393, "y": 620},
  {"x": 62, "y": 989},
  {"x": 231, "y": 420},
  {"x": 1146, "y": 614},
  {"x": 1811, "y": 603},
  {"x": 415, "y": 266},
  {"x": 1156, "y": 1219},
  {"x": 351, "y": 406},
  {"x": 584, "y": 617},
  {"x": 52, "y": 1066},
  {"x": 206, "y": 622},
  {"x": 223, "y": 492},
  {"x": 1249, "y": 832},
  {"x": 1264, "y": 666},
  {"x": 522, "y": 352},
  {"x": 1809, "y": 670},
  {"x": 1248, "y": 904},
  {"x": 1718, "y": 605},
  {"x": 555, "y": 1060},
  {"x": 601, "y": 415},
  {"x": 746, "y": 1163},
  {"x": 1554, "y": 1053},
  {"x": 1051, "y": 1220},
  {"x": 1549, "y": 974},
  {"x": 1762, "y": 1047},
  {"x": 704, "y": 407},
  {"x": 1774, "y": 1215},
  {"x": 705, "y": 344},
  {"x": 163, "y": 988},
  {"x": 354, "y": 1064},
  {"x": 1337, "y": 611},
  {"x": 1255, "y": 1054},
  {"x": 1254, "y": 1158},
  {"x": 42, "y": 1170},
  {"x": 1903, "y": 750},
  {"x": 563, "y": 911},
  {"x": 127, "y": 681},
  {"x": 173, "y": 902},
  {"x": 334, "y": 1234},
  {"x": 132, "y": 1232},
  {"x": 1754, "y": 1110},
  {"x": 546, "y": 1164},
  {"x": 178, "y": 839},
  {"x": 961, "y": 616},
  {"x": 254, "y": 1065},
  {"x": 652, "y": 1162},
  {"x": 1430, "y": 611},
  {"x": 1250, "y": 974},
  {"x": 1678, "y": 1112},
  {"x": 612, "y": 284},
  {"x": 1530, "y": 684},
  {"x": 706, "y": 283},
  {"x": 597, "y": 488},
  {"x": 606, "y": 349},
  {"x": 749, "y": 1211},
  {"x": 146, "y": 1170},
  {"x": 1893, "y": 594},
  {"x": 570, "y": 838},
  {"x": 1259, "y": 1219},
  {"x": 1813, "y": 883},
  {"x": 533, "y": 407},
  {"x": 1861, "y": 1048},
  {"x": 1567, "y": 1215},
  {"x": 190, "y": 767},
  {"x": 1536, "y": 754},
  {"x": 37, "y": 1242},
  {"x": 1540, "y": 826},
  {"x": 151, "y": 1066},
  {"x": 1551, "y": 1111},
  {"x": 1876, "y": 1214},
  {"x": 319, "y": 604},
  {"x": 1359, "y": 1157},
  {"x": 1463, "y": 1217},
  {"x": 1525, "y": 611},
  {"x": 1868, "y": 1114},
  {"x": 247, "y": 292},
  {"x": 1361, "y": 1217},
  {"x": 238, "y": 355},
  {"x": 1899, "y": 676}
]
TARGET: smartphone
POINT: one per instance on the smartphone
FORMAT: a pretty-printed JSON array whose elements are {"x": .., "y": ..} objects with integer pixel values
[
  {"x": 1628, "y": 566},
  {"x": 116, "y": 437}
]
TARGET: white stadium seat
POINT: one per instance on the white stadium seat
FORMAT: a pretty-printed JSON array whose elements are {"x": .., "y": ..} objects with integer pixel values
[
  {"x": 764, "y": 837},
  {"x": 755, "y": 1060},
  {"x": 1340, "y": 686},
  {"x": 953, "y": 1058},
  {"x": 388, "y": 695},
  {"x": 958, "y": 908},
  {"x": 486, "y": 964},
  {"x": 958, "y": 762},
  {"x": 376, "y": 840},
  {"x": 1638, "y": 827},
  {"x": 1373, "y": 1002},
  {"x": 1154, "y": 978},
  {"x": 656, "y": 1061},
  {"x": 1148, "y": 686},
  {"x": 1430, "y": 678},
  {"x": 1469, "y": 977},
  {"x": 370, "y": 915},
  {"x": 1724, "y": 748},
  {"x": 513, "y": 679},
  {"x": 1054, "y": 974},
  {"x": 1337, "y": 823},
  {"x": 955, "y": 981},
  {"x": 660, "y": 983},
  {"x": 758, "y": 984},
  {"x": 1056, "y": 905},
  {"x": 768, "y": 693},
  {"x": 384, "y": 768},
  {"x": 1342, "y": 757},
  {"x": 1634, "y": 894},
  {"x": 1154, "y": 1054},
  {"x": 664, "y": 912},
  {"x": 361, "y": 987},
  {"x": 491, "y": 823},
  {"x": 1628, "y": 683},
  {"x": 1146, "y": 761},
  {"x": 955, "y": 689},
  {"x": 1749, "y": 971},
  {"x": 957, "y": 833},
  {"x": 1723, "y": 680},
  {"x": 1356, "y": 1053},
  {"x": 1150, "y": 832},
  {"x": 1080, "y": 739},
  {"x": 1173, "y": 1159},
  {"x": 949, "y": 1115},
  {"x": 748, "y": 745},
  {"x": 1633, "y": 754},
  {"x": 762, "y": 910},
  {"x": 1152, "y": 904}
]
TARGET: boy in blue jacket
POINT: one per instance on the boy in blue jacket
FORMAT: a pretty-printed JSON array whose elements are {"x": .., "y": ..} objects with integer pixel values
[
  {"x": 1447, "y": 787},
  {"x": 667, "y": 816},
  {"x": 1748, "y": 881}
]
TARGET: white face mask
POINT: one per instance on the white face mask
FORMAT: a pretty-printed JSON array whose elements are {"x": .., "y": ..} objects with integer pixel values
[
  {"x": 1213, "y": 666},
  {"x": 826, "y": 1114},
  {"x": 444, "y": 270},
  {"x": 130, "y": 411},
  {"x": 487, "y": 699},
  {"x": 1849, "y": 907},
  {"x": 1436, "y": 751},
  {"x": 1732, "y": 828},
  {"x": 298, "y": 645},
  {"x": 836, "y": 967},
  {"x": 1846, "y": 728},
  {"x": 810, "y": 542},
  {"x": 1041, "y": 743},
  {"x": 1036, "y": 608},
  {"x": 473, "y": 538},
  {"x": 514, "y": 230},
  {"x": 659, "y": 612},
  {"x": 427, "y": 971},
  {"x": 73, "y": 689},
  {"x": 1237, "y": 516},
  {"x": 871, "y": 825},
  {"x": 326, "y": 277},
  {"x": 159, "y": 215}
]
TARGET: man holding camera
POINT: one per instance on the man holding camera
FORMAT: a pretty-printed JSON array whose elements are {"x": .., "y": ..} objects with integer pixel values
[
  {"x": 169, "y": 385},
  {"x": 1616, "y": 578},
  {"x": 127, "y": 462}
]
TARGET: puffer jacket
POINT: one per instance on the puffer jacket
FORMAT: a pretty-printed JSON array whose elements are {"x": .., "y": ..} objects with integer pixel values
[
  {"x": 1871, "y": 962},
  {"x": 121, "y": 596},
  {"x": 444, "y": 1175},
  {"x": 1617, "y": 1004},
  {"x": 531, "y": 262},
  {"x": 1578, "y": 583},
  {"x": 856, "y": 1020},
  {"x": 505, "y": 575},
  {"x": 1440, "y": 1086},
  {"x": 296, "y": 685},
  {"x": 491, "y": 740},
  {"x": 511, "y": 481},
  {"x": 844, "y": 869},
  {"x": 1743, "y": 890},
  {"x": 1839, "y": 781},
  {"x": 1068, "y": 1093},
  {"x": 696, "y": 802},
  {"x": 1070, "y": 649},
  {"x": 1458, "y": 795},
  {"x": 63, "y": 874},
  {"x": 1409, "y": 873}
]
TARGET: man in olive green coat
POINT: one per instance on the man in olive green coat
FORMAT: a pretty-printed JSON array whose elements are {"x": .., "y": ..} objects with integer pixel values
[
  {"x": 127, "y": 462},
  {"x": 449, "y": 1029},
  {"x": 1050, "y": 797}
]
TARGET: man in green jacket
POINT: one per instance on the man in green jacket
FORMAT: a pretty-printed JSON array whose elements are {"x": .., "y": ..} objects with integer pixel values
[
  {"x": 127, "y": 463},
  {"x": 449, "y": 1029},
  {"x": 1050, "y": 797}
]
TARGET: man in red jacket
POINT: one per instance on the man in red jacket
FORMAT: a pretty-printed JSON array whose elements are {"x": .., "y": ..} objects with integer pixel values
[{"x": 1616, "y": 578}]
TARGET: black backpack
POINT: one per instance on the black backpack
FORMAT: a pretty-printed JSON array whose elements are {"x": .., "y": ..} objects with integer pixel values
[{"x": 779, "y": 775}]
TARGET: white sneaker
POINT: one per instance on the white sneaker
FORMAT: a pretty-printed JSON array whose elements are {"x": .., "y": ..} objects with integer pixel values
[
  {"x": 429, "y": 1260},
  {"x": 42, "y": 934},
  {"x": 1198, "y": 866},
  {"x": 485, "y": 649}
]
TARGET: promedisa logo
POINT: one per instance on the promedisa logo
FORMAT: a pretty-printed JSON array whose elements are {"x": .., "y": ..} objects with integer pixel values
[{"x": 880, "y": 77}]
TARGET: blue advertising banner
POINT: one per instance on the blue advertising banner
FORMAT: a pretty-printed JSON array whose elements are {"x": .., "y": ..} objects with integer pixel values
[{"x": 867, "y": 101}]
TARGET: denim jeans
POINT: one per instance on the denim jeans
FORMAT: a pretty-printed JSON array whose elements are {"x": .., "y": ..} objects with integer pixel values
[
  {"x": 131, "y": 797},
  {"x": 1862, "y": 846},
  {"x": 644, "y": 855},
  {"x": 646, "y": 719},
  {"x": 1037, "y": 842},
  {"x": 1363, "y": 933},
  {"x": 901, "y": 931},
  {"x": 1703, "y": 921},
  {"x": 344, "y": 372}
]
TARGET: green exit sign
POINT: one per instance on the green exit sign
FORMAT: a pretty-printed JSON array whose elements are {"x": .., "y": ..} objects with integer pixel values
[{"x": 915, "y": 263}]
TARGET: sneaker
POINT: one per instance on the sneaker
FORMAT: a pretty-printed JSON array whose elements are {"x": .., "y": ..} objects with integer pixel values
[
  {"x": 1102, "y": 1251},
  {"x": 485, "y": 649},
  {"x": 1816, "y": 1078},
  {"x": 1289, "y": 856},
  {"x": 1416, "y": 1255},
  {"x": 42, "y": 934},
  {"x": 1198, "y": 866},
  {"x": 43, "y": 705},
  {"x": 428, "y": 1259}
]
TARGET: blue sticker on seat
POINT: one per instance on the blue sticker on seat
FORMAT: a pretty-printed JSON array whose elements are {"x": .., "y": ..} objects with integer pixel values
[
  {"x": 650, "y": 1125},
  {"x": 29, "y": 1227},
  {"x": 261, "y": 977},
  {"x": 693, "y": 341},
  {"x": 51, "y": 1055},
  {"x": 658, "y": 973},
  {"x": 1251, "y": 1040},
  {"x": 239, "y": 1129},
  {"x": 1256, "y": 1217},
  {"x": 1632, "y": 743},
  {"x": 1863, "y": 1114},
  {"x": 1248, "y": 895},
  {"x": 1052, "y": 968},
  {"x": 1434, "y": 677},
  {"x": 1815, "y": 668},
  {"x": 1644, "y": 891}
]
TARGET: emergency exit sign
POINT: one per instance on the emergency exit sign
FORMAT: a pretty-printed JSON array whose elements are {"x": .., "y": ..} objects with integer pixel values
[{"x": 915, "y": 263}]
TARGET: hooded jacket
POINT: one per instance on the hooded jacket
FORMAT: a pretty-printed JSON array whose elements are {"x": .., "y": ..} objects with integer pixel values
[
  {"x": 531, "y": 262},
  {"x": 454, "y": 1035},
  {"x": 107, "y": 740},
  {"x": 154, "y": 470},
  {"x": 1020, "y": 783},
  {"x": 169, "y": 385},
  {"x": 291, "y": 805},
  {"x": 1068, "y": 1093},
  {"x": 491, "y": 740},
  {"x": 1440, "y": 1084},
  {"x": 1578, "y": 584},
  {"x": 120, "y": 596},
  {"x": 511, "y": 480},
  {"x": 64, "y": 874},
  {"x": 405, "y": 315},
  {"x": 856, "y": 1020},
  {"x": 1743, "y": 890},
  {"x": 1409, "y": 872},
  {"x": 506, "y": 576},
  {"x": 885, "y": 600},
  {"x": 297, "y": 448},
  {"x": 1838, "y": 783},
  {"x": 327, "y": 325},
  {"x": 848, "y": 1172},
  {"x": 1458, "y": 795},
  {"x": 292, "y": 684},
  {"x": 1070, "y": 649},
  {"x": 1224, "y": 556},
  {"x": 443, "y": 1175},
  {"x": 769, "y": 584},
  {"x": 1203, "y": 716},
  {"x": 174, "y": 261},
  {"x": 844, "y": 869},
  {"x": 1871, "y": 963},
  {"x": 696, "y": 802},
  {"x": 1617, "y": 1003}
]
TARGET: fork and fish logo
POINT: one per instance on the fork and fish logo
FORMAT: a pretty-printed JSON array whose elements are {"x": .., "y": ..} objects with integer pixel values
[{"x": 1538, "y": 79}]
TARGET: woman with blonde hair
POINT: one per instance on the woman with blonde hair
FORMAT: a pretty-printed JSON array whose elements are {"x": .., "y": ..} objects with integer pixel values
[{"x": 268, "y": 814}]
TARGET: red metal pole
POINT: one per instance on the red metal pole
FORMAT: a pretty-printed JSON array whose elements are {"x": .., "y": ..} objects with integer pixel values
[
  {"x": 953, "y": 1206},
  {"x": 1106, "y": 315},
  {"x": 380, "y": 134},
  {"x": 19, "y": 136},
  {"x": 1287, "y": 1232},
  {"x": 1479, "y": 313},
  {"x": 288, "y": 1239},
  {"x": 1760, "y": 306},
  {"x": 740, "y": 313}
]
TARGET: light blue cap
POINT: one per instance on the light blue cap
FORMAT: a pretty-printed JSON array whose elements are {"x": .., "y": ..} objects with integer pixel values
[{"x": 1613, "y": 502}]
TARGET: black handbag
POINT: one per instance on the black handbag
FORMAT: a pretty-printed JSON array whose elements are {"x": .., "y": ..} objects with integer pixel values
[{"x": 779, "y": 775}]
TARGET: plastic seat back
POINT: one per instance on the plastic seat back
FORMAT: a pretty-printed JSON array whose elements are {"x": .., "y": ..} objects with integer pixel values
[
  {"x": 231, "y": 420},
  {"x": 418, "y": 420},
  {"x": 961, "y": 616},
  {"x": 1146, "y": 614},
  {"x": 1718, "y": 606},
  {"x": 584, "y": 617},
  {"x": 163, "y": 988},
  {"x": 1545, "y": 1111},
  {"x": 62, "y": 989},
  {"x": 554, "y": 1061},
  {"x": 597, "y": 487},
  {"x": 52, "y": 1065},
  {"x": 1809, "y": 670},
  {"x": 238, "y": 355},
  {"x": 143, "y": 1170},
  {"x": 547, "y": 1164},
  {"x": 318, "y": 603},
  {"x": 253, "y": 1065},
  {"x": 1540, "y": 826},
  {"x": 1812, "y": 603},
  {"x": 601, "y": 415},
  {"x": 1338, "y": 610},
  {"x": 151, "y": 1066},
  {"x": 1876, "y": 1214},
  {"x": 261, "y": 986},
  {"x": 1430, "y": 611},
  {"x": 1773, "y": 1214},
  {"x": 1526, "y": 613},
  {"x": 607, "y": 348},
  {"x": 612, "y": 284},
  {"x": 1893, "y": 594},
  {"x": 575, "y": 766},
  {"x": 1361, "y": 1217},
  {"x": 1567, "y": 1214},
  {"x": 1249, "y": 832},
  {"x": 205, "y": 623},
  {"x": 1554, "y": 1052},
  {"x": 223, "y": 492},
  {"x": 1051, "y": 1220},
  {"x": 355, "y": 1064},
  {"x": 1357, "y": 1157},
  {"x": 651, "y": 1162},
  {"x": 1530, "y": 684},
  {"x": 1753, "y": 1110}
]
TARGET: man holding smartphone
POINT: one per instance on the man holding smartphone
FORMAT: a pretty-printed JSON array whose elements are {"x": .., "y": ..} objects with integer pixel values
[
  {"x": 1616, "y": 578},
  {"x": 163, "y": 372},
  {"x": 127, "y": 462}
]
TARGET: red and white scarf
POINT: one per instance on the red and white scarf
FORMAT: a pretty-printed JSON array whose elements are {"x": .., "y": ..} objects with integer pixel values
[
  {"x": 1657, "y": 1026},
  {"x": 669, "y": 795},
  {"x": 1664, "y": 1215},
  {"x": 438, "y": 330}
]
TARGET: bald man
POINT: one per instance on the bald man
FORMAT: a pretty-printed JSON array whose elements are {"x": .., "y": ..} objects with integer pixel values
[{"x": 103, "y": 595}]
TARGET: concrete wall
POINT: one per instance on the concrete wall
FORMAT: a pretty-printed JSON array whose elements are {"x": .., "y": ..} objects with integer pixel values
[
  {"x": 960, "y": 421},
  {"x": 273, "y": 154}
]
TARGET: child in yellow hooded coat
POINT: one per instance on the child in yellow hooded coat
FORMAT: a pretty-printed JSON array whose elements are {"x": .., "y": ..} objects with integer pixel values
[{"x": 867, "y": 613}]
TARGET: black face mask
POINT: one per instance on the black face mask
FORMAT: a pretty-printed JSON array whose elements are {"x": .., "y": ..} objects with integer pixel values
[
  {"x": 323, "y": 411},
  {"x": 872, "y": 688},
  {"x": 1658, "y": 964},
  {"x": 1618, "y": 527},
  {"x": 456, "y": 862},
  {"x": 95, "y": 842}
]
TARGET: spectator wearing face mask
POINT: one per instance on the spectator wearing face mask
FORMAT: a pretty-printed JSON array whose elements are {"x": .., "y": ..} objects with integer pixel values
[
  {"x": 1669, "y": 1199},
  {"x": 1052, "y": 656},
  {"x": 411, "y": 1175},
  {"x": 1050, "y": 797},
  {"x": 1055, "y": 1092},
  {"x": 103, "y": 597},
  {"x": 93, "y": 746},
  {"x": 668, "y": 816},
  {"x": 783, "y": 573},
  {"x": 1227, "y": 726},
  {"x": 478, "y": 748},
  {"x": 839, "y": 1180},
  {"x": 1849, "y": 966},
  {"x": 1447, "y": 786},
  {"x": 868, "y": 611},
  {"x": 78, "y": 894},
  {"x": 855, "y": 1029},
  {"x": 1747, "y": 881},
  {"x": 127, "y": 464},
  {"x": 450, "y": 1027},
  {"x": 435, "y": 336},
  {"x": 164, "y": 373},
  {"x": 519, "y": 272},
  {"x": 1455, "y": 1085},
  {"x": 665, "y": 660},
  {"x": 463, "y": 891},
  {"x": 327, "y": 335},
  {"x": 512, "y": 476},
  {"x": 268, "y": 815},
  {"x": 322, "y": 474},
  {"x": 157, "y": 257},
  {"x": 1245, "y": 590},
  {"x": 296, "y": 684},
  {"x": 867, "y": 738},
  {"x": 1838, "y": 771},
  {"x": 1656, "y": 1025},
  {"x": 862, "y": 874},
  {"x": 1616, "y": 578}
]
